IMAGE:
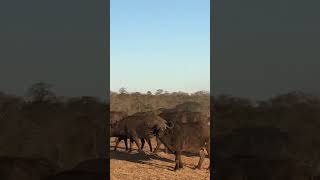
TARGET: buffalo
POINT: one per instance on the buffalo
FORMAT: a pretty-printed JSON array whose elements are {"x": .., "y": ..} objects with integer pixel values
[
  {"x": 185, "y": 137},
  {"x": 115, "y": 118},
  {"x": 183, "y": 117},
  {"x": 139, "y": 126}
]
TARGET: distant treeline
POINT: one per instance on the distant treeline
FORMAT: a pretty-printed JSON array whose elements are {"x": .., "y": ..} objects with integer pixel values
[{"x": 132, "y": 102}]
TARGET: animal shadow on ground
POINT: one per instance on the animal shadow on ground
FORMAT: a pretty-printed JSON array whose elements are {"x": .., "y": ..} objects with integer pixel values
[
  {"x": 187, "y": 154},
  {"x": 140, "y": 158},
  {"x": 146, "y": 158}
]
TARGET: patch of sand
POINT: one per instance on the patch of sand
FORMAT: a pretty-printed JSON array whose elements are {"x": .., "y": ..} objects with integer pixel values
[{"x": 135, "y": 166}]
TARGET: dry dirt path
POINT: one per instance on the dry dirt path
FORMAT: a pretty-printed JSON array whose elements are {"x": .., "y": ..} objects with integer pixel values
[{"x": 134, "y": 166}]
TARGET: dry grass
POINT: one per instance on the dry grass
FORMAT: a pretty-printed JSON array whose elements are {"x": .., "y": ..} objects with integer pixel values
[{"x": 124, "y": 165}]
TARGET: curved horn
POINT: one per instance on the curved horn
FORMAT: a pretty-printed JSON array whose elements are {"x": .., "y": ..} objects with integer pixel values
[
  {"x": 165, "y": 126},
  {"x": 171, "y": 125}
]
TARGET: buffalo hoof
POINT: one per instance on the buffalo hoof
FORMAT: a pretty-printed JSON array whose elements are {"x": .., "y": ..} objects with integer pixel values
[{"x": 177, "y": 168}]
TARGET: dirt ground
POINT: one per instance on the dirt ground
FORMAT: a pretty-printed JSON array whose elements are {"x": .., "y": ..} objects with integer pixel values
[{"x": 135, "y": 166}]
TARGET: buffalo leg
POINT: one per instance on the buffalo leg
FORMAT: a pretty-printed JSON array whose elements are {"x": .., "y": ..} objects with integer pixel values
[
  {"x": 126, "y": 143},
  {"x": 137, "y": 143},
  {"x": 150, "y": 146},
  {"x": 131, "y": 142},
  {"x": 202, "y": 156},
  {"x": 142, "y": 143},
  {"x": 180, "y": 161},
  {"x": 177, "y": 160},
  {"x": 117, "y": 142},
  {"x": 158, "y": 145}
]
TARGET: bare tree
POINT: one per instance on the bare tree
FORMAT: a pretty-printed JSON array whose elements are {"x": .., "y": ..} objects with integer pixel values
[
  {"x": 149, "y": 93},
  {"x": 123, "y": 91},
  {"x": 159, "y": 91}
]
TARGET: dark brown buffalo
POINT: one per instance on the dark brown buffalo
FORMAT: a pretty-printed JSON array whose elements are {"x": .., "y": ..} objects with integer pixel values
[
  {"x": 140, "y": 126},
  {"x": 186, "y": 137},
  {"x": 118, "y": 132},
  {"x": 139, "y": 114},
  {"x": 115, "y": 118},
  {"x": 183, "y": 117}
]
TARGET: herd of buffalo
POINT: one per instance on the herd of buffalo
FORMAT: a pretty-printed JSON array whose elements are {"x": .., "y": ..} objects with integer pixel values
[{"x": 179, "y": 131}]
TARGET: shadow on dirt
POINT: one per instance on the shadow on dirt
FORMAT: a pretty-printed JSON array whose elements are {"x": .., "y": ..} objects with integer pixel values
[
  {"x": 145, "y": 159},
  {"x": 187, "y": 154},
  {"x": 141, "y": 158},
  {"x": 136, "y": 157}
]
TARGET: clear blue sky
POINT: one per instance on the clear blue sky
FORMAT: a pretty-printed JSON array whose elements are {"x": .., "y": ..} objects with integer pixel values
[{"x": 160, "y": 44}]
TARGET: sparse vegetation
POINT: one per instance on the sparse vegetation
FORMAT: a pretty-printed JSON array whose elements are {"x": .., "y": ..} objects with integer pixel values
[{"x": 132, "y": 102}]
